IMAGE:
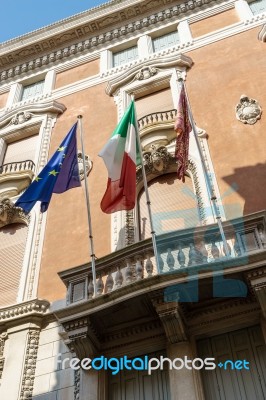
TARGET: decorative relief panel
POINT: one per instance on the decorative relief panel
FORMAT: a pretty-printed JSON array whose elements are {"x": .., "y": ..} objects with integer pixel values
[
  {"x": 35, "y": 51},
  {"x": 30, "y": 365},
  {"x": 248, "y": 110},
  {"x": 9, "y": 214},
  {"x": 3, "y": 337},
  {"x": 88, "y": 165}
]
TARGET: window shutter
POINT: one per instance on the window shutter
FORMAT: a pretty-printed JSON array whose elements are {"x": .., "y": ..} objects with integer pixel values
[
  {"x": 165, "y": 41},
  {"x": 12, "y": 247},
  {"x": 32, "y": 90},
  {"x": 21, "y": 150},
  {"x": 125, "y": 56},
  {"x": 155, "y": 102},
  {"x": 173, "y": 206}
]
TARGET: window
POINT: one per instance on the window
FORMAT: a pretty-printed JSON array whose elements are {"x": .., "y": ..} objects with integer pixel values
[
  {"x": 21, "y": 150},
  {"x": 165, "y": 41},
  {"x": 33, "y": 90},
  {"x": 258, "y": 6},
  {"x": 125, "y": 56}
]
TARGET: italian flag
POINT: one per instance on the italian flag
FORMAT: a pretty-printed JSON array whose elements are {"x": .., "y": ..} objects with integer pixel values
[{"x": 119, "y": 155}]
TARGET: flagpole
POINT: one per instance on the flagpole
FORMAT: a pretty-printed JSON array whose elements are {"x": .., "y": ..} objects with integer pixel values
[
  {"x": 148, "y": 201},
  {"x": 92, "y": 255},
  {"x": 210, "y": 189}
]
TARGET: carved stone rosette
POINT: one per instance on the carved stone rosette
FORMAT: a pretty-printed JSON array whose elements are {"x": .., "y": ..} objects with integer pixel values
[
  {"x": 30, "y": 365},
  {"x": 88, "y": 165},
  {"x": 248, "y": 110},
  {"x": 9, "y": 214}
]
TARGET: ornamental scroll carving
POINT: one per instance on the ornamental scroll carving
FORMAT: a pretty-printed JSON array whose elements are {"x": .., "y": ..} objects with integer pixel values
[
  {"x": 21, "y": 117},
  {"x": 9, "y": 214},
  {"x": 248, "y": 110}
]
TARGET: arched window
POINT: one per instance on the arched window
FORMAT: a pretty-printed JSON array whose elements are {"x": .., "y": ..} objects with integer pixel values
[{"x": 173, "y": 203}]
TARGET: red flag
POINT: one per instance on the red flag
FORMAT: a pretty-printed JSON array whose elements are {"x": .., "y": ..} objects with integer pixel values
[{"x": 183, "y": 128}]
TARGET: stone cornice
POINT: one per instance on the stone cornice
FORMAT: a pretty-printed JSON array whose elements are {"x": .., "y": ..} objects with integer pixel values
[
  {"x": 30, "y": 109},
  {"x": 154, "y": 62},
  {"x": 92, "y": 34},
  {"x": 30, "y": 308}
]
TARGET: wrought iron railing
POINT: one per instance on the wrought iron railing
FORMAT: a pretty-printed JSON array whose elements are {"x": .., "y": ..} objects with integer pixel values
[
  {"x": 178, "y": 251},
  {"x": 27, "y": 165}
]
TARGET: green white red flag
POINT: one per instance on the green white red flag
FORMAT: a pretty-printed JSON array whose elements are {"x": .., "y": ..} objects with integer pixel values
[
  {"x": 183, "y": 128},
  {"x": 119, "y": 155}
]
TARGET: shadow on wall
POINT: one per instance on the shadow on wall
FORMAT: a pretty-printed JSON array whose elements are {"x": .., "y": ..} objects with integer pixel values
[{"x": 251, "y": 186}]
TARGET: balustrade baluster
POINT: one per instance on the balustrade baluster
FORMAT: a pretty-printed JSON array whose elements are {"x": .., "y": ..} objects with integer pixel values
[
  {"x": 109, "y": 282},
  {"x": 99, "y": 285},
  {"x": 181, "y": 256},
  {"x": 237, "y": 247},
  {"x": 192, "y": 255},
  {"x": 161, "y": 263},
  {"x": 215, "y": 251},
  {"x": 139, "y": 269},
  {"x": 149, "y": 266},
  {"x": 90, "y": 289},
  {"x": 118, "y": 278},
  {"x": 203, "y": 252},
  {"x": 170, "y": 260},
  {"x": 128, "y": 272}
]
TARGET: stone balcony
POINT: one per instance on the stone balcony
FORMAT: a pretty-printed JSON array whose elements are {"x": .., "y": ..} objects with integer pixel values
[
  {"x": 15, "y": 177},
  {"x": 181, "y": 255},
  {"x": 194, "y": 291}
]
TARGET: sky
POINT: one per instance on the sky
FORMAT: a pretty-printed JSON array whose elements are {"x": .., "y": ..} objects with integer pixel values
[{"x": 22, "y": 16}]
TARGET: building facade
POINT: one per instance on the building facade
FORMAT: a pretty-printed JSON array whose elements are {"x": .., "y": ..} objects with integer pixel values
[{"x": 195, "y": 302}]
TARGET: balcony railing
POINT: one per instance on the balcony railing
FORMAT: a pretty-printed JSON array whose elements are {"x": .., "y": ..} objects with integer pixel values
[
  {"x": 179, "y": 252},
  {"x": 19, "y": 166},
  {"x": 161, "y": 117}
]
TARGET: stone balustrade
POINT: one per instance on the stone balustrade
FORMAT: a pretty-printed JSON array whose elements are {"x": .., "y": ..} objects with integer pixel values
[
  {"x": 179, "y": 251},
  {"x": 18, "y": 166}
]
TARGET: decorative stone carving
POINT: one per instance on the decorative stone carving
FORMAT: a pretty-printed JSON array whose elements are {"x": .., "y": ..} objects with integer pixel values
[
  {"x": 9, "y": 214},
  {"x": 156, "y": 160},
  {"x": 248, "y": 110},
  {"x": 76, "y": 384},
  {"x": 88, "y": 165},
  {"x": 3, "y": 337},
  {"x": 33, "y": 308},
  {"x": 20, "y": 118},
  {"x": 262, "y": 34},
  {"x": 29, "y": 110},
  {"x": 170, "y": 314},
  {"x": 120, "y": 29},
  {"x": 80, "y": 337},
  {"x": 146, "y": 73},
  {"x": 30, "y": 365}
]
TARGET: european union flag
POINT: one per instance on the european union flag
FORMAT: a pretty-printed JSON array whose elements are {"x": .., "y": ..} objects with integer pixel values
[{"x": 59, "y": 175}]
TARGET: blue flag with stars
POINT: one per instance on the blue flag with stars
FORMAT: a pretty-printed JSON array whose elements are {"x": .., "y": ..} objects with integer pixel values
[{"x": 59, "y": 175}]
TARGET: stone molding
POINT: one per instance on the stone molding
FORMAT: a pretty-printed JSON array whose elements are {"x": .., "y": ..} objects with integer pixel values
[
  {"x": 10, "y": 214},
  {"x": 3, "y": 338},
  {"x": 80, "y": 337},
  {"x": 35, "y": 51},
  {"x": 262, "y": 34},
  {"x": 155, "y": 62},
  {"x": 30, "y": 364},
  {"x": 30, "y": 308},
  {"x": 170, "y": 314},
  {"x": 248, "y": 110},
  {"x": 12, "y": 116}
]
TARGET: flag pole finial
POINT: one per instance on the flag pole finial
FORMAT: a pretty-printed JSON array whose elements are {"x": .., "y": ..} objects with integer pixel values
[{"x": 79, "y": 116}]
